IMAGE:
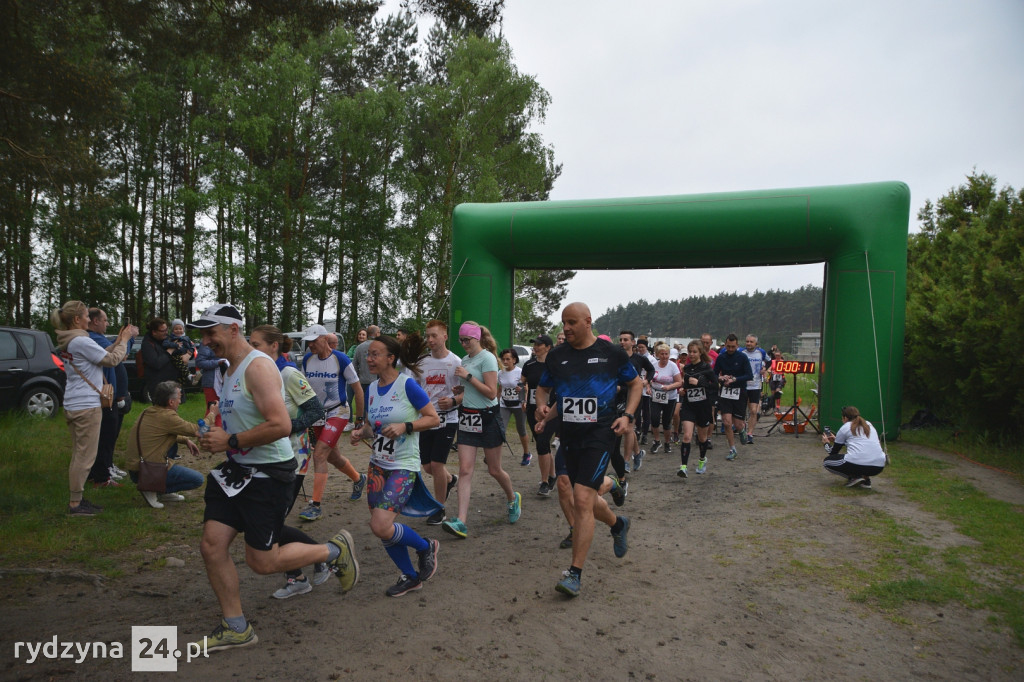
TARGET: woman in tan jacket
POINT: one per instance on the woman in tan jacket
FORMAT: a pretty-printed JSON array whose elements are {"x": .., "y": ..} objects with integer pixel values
[{"x": 156, "y": 435}]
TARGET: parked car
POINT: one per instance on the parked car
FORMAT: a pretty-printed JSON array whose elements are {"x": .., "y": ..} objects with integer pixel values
[
  {"x": 32, "y": 377},
  {"x": 524, "y": 354}
]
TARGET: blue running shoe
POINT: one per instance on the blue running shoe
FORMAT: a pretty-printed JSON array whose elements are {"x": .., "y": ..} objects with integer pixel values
[
  {"x": 620, "y": 545},
  {"x": 569, "y": 584},
  {"x": 357, "y": 487}
]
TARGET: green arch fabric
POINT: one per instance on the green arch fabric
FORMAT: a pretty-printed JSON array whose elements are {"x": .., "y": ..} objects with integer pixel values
[{"x": 854, "y": 229}]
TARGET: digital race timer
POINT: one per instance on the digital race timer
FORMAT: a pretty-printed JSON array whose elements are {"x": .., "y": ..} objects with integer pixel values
[{"x": 792, "y": 367}]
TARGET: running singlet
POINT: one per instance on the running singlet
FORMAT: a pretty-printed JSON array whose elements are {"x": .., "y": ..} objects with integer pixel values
[
  {"x": 586, "y": 382},
  {"x": 758, "y": 359},
  {"x": 396, "y": 404},
  {"x": 297, "y": 391},
  {"x": 438, "y": 380},
  {"x": 325, "y": 376},
  {"x": 239, "y": 413}
]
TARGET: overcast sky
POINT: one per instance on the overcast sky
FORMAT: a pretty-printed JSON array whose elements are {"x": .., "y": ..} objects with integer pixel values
[{"x": 686, "y": 96}]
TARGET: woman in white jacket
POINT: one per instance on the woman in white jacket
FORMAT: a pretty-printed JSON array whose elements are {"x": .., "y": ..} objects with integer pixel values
[
  {"x": 864, "y": 456},
  {"x": 83, "y": 361}
]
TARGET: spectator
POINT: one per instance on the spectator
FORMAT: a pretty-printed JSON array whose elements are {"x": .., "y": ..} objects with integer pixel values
[
  {"x": 864, "y": 456},
  {"x": 155, "y": 437},
  {"x": 157, "y": 360},
  {"x": 104, "y": 472}
]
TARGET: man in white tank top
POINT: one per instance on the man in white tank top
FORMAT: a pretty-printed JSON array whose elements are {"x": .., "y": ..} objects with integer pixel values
[{"x": 250, "y": 492}]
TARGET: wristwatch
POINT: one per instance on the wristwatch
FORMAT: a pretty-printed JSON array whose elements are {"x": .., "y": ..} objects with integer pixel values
[
  {"x": 632, "y": 417},
  {"x": 233, "y": 441},
  {"x": 408, "y": 427}
]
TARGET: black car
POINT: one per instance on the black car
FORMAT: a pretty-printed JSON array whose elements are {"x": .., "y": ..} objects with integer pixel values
[{"x": 32, "y": 377}]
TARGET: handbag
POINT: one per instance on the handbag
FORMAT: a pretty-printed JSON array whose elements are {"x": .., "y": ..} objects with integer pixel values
[
  {"x": 152, "y": 475},
  {"x": 107, "y": 392}
]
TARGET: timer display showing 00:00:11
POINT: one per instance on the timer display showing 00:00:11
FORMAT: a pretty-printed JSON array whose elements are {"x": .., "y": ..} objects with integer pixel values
[{"x": 793, "y": 367}]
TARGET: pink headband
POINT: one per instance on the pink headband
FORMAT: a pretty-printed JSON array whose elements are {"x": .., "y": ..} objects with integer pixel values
[{"x": 470, "y": 330}]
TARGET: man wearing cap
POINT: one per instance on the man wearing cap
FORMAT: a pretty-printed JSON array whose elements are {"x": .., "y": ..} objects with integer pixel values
[
  {"x": 585, "y": 372},
  {"x": 251, "y": 491},
  {"x": 325, "y": 370},
  {"x": 533, "y": 370}
]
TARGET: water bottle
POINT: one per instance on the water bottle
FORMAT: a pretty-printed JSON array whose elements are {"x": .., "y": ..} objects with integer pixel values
[{"x": 204, "y": 428}]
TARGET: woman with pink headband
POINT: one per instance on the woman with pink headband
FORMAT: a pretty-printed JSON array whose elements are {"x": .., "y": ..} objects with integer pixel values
[{"x": 479, "y": 423}]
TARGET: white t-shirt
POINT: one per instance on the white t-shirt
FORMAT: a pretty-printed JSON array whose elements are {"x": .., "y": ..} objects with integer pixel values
[
  {"x": 669, "y": 374},
  {"x": 508, "y": 387},
  {"x": 86, "y": 355},
  {"x": 438, "y": 380},
  {"x": 861, "y": 449}
]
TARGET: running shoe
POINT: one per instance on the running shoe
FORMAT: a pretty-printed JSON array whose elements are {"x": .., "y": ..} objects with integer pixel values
[
  {"x": 711, "y": 446},
  {"x": 628, "y": 467},
  {"x": 109, "y": 483},
  {"x": 436, "y": 518},
  {"x": 544, "y": 490},
  {"x": 750, "y": 439},
  {"x": 428, "y": 560},
  {"x": 527, "y": 458},
  {"x": 638, "y": 460},
  {"x": 643, "y": 439},
  {"x": 83, "y": 510},
  {"x": 293, "y": 587},
  {"x": 668, "y": 448},
  {"x": 675, "y": 437},
  {"x": 732, "y": 454},
  {"x": 357, "y": 487},
  {"x": 345, "y": 566},
  {"x": 151, "y": 499},
  {"x": 404, "y": 584},
  {"x": 116, "y": 473},
  {"x": 569, "y": 584},
  {"x": 702, "y": 465},
  {"x": 619, "y": 540},
  {"x": 515, "y": 508},
  {"x": 866, "y": 484},
  {"x": 655, "y": 446},
  {"x": 618, "y": 493},
  {"x": 171, "y": 497},
  {"x": 566, "y": 543},
  {"x": 451, "y": 486},
  {"x": 321, "y": 573},
  {"x": 854, "y": 481},
  {"x": 311, "y": 513},
  {"x": 743, "y": 435},
  {"x": 455, "y": 527},
  {"x": 682, "y": 471},
  {"x": 223, "y": 637}
]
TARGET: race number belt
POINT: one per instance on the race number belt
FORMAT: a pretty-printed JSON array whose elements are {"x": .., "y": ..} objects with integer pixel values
[{"x": 732, "y": 393}]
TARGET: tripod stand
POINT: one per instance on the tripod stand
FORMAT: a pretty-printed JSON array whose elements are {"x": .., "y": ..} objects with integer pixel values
[{"x": 796, "y": 411}]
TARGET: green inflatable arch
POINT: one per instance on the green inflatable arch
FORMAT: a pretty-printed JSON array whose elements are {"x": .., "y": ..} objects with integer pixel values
[{"x": 858, "y": 231}]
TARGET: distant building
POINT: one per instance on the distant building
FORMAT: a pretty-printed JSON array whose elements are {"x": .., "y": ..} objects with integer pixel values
[{"x": 807, "y": 346}]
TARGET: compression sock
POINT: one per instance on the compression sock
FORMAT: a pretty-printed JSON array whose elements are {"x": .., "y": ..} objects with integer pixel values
[
  {"x": 407, "y": 537},
  {"x": 397, "y": 549},
  {"x": 684, "y": 453},
  {"x": 319, "y": 485},
  {"x": 236, "y": 623},
  {"x": 350, "y": 471},
  {"x": 703, "y": 445}
]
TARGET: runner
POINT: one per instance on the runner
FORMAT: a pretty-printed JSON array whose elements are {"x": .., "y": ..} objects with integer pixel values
[
  {"x": 326, "y": 368},
  {"x": 398, "y": 410},
  {"x": 696, "y": 398},
  {"x": 664, "y": 395},
  {"x": 645, "y": 369},
  {"x": 643, "y": 418},
  {"x": 533, "y": 370},
  {"x": 585, "y": 373},
  {"x": 733, "y": 372},
  {"x": 511, "y": 388},
  {"x": 777, "y": 382},
  {"x": 304, "y": 408},
  {"x": 758, "y": 359},
  {"x": 249, "y": 493},
  {"x": 439, "y": 381},
  {"x": 479, "y": 424}
]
